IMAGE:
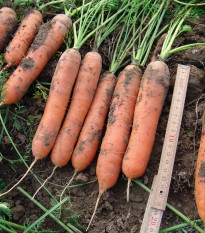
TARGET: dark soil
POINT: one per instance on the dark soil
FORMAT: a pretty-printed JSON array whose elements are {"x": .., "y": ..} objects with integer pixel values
[{"x": 114, "y": 214}]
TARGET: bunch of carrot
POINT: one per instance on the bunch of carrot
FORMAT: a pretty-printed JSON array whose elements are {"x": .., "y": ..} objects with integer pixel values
[
  {"x": 85, "y": 76},
  {"x": 133, "y": 102}
]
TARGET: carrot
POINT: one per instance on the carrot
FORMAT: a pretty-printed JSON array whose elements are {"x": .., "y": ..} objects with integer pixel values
[
  {"x": 46, "y": 43},
  {"x": 200, "y": 177},
  {"x": 22, "y": 39},
  {"x": 60, "y": 90},
  {"x": 152, "y": 93},
  {"x": 82, "y": 97},
  {"x": 8, "y": 21},
  {"x": 118, "y": 129},
  {"x": 59, "y": 94},
  {"x": 91, "y": 132}
]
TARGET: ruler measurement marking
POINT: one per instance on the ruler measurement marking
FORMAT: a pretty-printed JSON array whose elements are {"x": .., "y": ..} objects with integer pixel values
[{"x": 160, "y": 188}]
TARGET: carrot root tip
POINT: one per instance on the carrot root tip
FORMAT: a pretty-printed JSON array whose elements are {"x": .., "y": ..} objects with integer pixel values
[
  {"x": 28, "y": 170},
  {"x": 67, "y": 185},
  {"x": 128, "y": 189},
  {"x": 45, "y": 181},
  {"x": 94, "y": 212}
]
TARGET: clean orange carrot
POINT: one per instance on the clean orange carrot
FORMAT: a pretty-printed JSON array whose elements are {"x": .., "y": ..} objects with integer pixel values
[
  {"x": 91, "y": 132},
  {"x": 152, "y": 93},
  {"x": 46, "y": 43},
  {"x": 82, "y": 97},
  {"x": 8, "y": 22},
  {"x": 200, "y": 177},
  {"x": 60, "y": 90},
  {"x": 22, "y": 39}
]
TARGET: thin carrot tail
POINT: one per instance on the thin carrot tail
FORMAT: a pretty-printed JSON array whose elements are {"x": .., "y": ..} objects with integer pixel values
[
  {"x": 68, "y": 185},
  {"x": 48, "y": 178},
  {"x": 96, "y": 206},
  {"x": 32, "y": 164},
  {"x": 128, "y": 189}
]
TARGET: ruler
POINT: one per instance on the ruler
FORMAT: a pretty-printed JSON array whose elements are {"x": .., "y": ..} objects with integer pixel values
[{"x": 160, "y": 188}]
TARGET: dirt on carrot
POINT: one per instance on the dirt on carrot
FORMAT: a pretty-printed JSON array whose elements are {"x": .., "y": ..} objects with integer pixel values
[
  {"x": 27, "y": 63},
  {"x": 114, "y": 214},
  {"x": 202, "y": 170},
  {"x": 42, "y": 35}
]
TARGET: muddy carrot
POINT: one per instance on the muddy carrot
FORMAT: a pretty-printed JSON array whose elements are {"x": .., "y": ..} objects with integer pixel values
[
  {"x": 59, "y": 94},
  {"x": 8, "y": 21},
  {"x": 119, "y": 123},
  {"x": 47, "y": 42},
  {"x": 61, "y": 87},
  {"x": 91, "y": 132},
  {"x": 22, "y": 39}
]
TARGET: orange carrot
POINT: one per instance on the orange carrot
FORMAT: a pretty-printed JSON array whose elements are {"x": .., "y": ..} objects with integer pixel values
[
  {"x": 46, "y": 43},
  {"x": 60, "y": 90},
  {"x": 119, "y": 124},
  {"x": 23, "y": 38},
  {"x": 200, "y": 177},
  {"x": 82, "y": 97},
  {"x": 8, "y": 21},
  {"x": 91, "y": 132},
  {"x": 118, "y": 129},
  {"x": 152, "y": 93}
]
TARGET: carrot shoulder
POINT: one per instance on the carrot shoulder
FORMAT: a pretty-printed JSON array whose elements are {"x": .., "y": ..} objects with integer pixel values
[
  {"x": 60, "y": 90},
  {"x": 82, "y": 97},
  {"x": 152, "y": 93},
  {"x": 91, "y": 132},
  {"x": 8, "y": 21},
  {"x": 47, "y": 42},
  {"x": 118, "y": 128},
  {"x": 200, "y": 177},
  {"x": 23, "y": 38}
]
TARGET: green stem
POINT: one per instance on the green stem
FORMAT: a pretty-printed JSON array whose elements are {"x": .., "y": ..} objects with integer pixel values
[
  {"x": 51, "y": 3},
  {"x": 45, "y": 210},
  {"x": 78, "y": 9},
  {"x": 184, "y": 47},
  {"x": 171, "y": 37},
  {"x": 46, "y": 214},
  {"x": 5, "y": 119},
  {"x": 187, "y": 220},
  {"x": 189, "y": 4},
  {"x": 179, "y": 226},
  {"x": 7, "y": 229},
  {"x": 81, "y": 38},
  {"x": 8, "y": 223}
]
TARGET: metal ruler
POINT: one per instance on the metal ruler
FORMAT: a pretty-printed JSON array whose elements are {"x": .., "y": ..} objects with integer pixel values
[{"x": 160, "y": 188}]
